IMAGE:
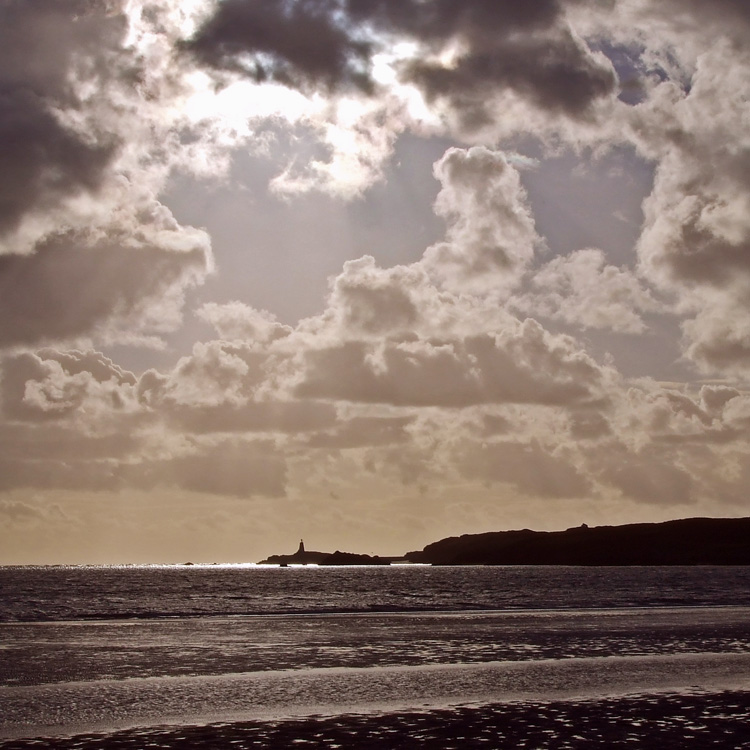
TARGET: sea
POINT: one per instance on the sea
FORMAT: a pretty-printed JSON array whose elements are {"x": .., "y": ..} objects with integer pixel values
[{"x": 400, "y": 656}]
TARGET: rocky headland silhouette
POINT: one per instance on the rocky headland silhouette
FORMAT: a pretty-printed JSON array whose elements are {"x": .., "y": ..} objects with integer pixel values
[
  {"x": 688, "y": 541},
  {"x": 310, "y": 557}
]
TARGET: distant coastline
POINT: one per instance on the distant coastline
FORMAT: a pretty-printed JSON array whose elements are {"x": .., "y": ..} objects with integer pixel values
[
  {"x": 689, "y": 541},
  {"x": 311, "y": 557}
]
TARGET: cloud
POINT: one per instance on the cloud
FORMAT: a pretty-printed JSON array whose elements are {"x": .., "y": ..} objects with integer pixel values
[
  {"x": 527, "y": 466},
  {"x": 298, "y": 43},
  {"x": 495, "y": 68},
  {"x": 230, "y": 468},
  {"x": 78, "y": 421},
  {"x": 696, "y": 232},
  {"x": 586, "y": 425},
  {"x": 523, "y": 365},
  {"x": 583, "y": 290},
  {"x": 718, "y": 337},
  {"x": 215, "y": 373},
  {"x": 491, "y": 234},
  {"x": 367, "y": 301},
  {"x": 649, "y": 477},
  {"x": 86, "y": 248},
  {"x": 88, "y": 475},
  {"x": 470, "y": 55},
  {"x": 234, "y": 468},
  {"x": 440, "y": 19},
  {"x": 701, "y": 18},
  {"x": 713, "y": 398},
  {"x": 57, "y": 441},
  {"x": 363, "y": 431},
  {"x": 49, "y": 385},
  {"x": 16, "y": 511},
  {"x": 477, "y": 72},
  {"x": 238, "y": 321},
  {"x": 293, "y": 417},
  {"x": 496, "y": 46},
  {"x": 78, "y": 282},
  {"x": 46, "y": 48},
  {"x": 556, "y": 72},
  {"x": 44, "y": 161},
  {"x": 223, "y": 387}
]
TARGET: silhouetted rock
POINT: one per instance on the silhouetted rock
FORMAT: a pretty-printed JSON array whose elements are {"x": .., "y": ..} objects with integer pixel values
[
  {"x": 690, "y": 541},
  {"x": 300, "y": 557},
  {"x": 350, "y": 558},
  {"x": 305, "y": 557}
]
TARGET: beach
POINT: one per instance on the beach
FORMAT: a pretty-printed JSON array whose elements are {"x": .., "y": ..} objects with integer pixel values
[
  {"x": 570, "y": 702},
  {"x": 720, "y": 720},
  {"x": 421, "y": 658}
]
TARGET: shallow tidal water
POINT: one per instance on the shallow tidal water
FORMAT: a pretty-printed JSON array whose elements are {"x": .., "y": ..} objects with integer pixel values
[{"x": 386, "y": 657}]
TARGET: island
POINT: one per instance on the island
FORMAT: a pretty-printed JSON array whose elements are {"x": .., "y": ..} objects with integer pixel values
[
  {"x": 309, "y": 557},
  {"x": 688, "y": 541},
  {"x": 351, "y": 558}
]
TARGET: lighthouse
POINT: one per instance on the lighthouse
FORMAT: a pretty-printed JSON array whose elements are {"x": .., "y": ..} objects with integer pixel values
[{"x": 301, "y": 550}]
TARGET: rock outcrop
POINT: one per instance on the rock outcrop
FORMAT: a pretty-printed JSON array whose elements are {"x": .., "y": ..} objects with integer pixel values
[{"x": 690, "y": 541}]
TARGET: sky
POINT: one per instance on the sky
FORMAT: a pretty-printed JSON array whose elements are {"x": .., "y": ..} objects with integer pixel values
[{"x": 368, "y": 272}]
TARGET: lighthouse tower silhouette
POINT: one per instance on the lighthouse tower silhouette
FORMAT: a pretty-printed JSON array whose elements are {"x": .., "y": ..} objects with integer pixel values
[{"x": 301, "y": 550}]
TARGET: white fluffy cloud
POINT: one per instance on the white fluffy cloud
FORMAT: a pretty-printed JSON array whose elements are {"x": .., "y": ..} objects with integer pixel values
[
  {"x": 583, "y": 290},
  {"x": 491, "y": 234},
  {"x": 696, "y": 232}
]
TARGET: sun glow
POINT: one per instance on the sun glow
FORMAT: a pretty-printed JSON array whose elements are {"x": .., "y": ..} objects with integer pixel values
[{"x": 244, "y": 101}]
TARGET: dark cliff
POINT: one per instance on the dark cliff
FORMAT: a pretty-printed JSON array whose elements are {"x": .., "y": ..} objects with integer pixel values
[
  {"x": 691, "y": 541},
  {"x": 351, "y": 558}
]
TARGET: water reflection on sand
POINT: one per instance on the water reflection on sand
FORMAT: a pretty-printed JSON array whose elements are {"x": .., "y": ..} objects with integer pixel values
[{"x": 110, "y": 675}]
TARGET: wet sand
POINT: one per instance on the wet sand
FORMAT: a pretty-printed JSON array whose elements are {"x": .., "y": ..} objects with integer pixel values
[{"x": 671, "y": 720}]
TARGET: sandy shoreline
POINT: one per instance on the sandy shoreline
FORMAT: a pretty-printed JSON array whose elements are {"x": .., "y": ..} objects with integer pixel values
[
  {"x": 108, "y": 706},
  {"x": 673, "y": 720},
  {"x": 572, "y": 679}
]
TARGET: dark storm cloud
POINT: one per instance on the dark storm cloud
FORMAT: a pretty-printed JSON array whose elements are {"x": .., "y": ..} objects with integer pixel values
[
  {"x": 83, "y": 238},
  {"x": 293, "y": 43},
  {"x": 558, "y": 74},
  {"x": 74, "y": 282},
  {"x": 42, "y": 41},
  {"x": 42, "y": 46},
  {"x": 504, "y": 44},
  {"x": 438, "y": 19},
  {"x": 43, "y": 161}
]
